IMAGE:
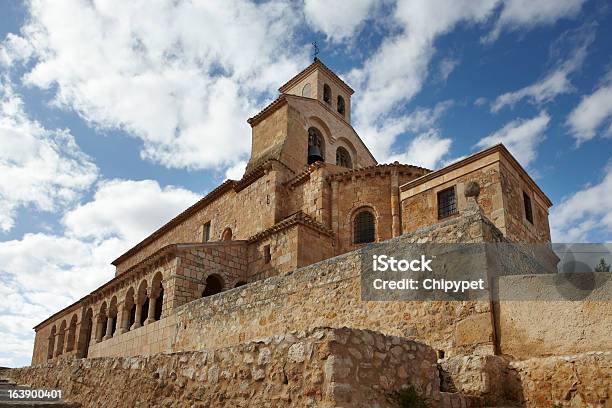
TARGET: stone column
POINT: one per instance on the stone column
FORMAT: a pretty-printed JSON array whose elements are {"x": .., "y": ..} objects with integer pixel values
[
  {"x": 334, "y": 210},
  {"x": 138, "y": 316},
  {"x": 59, "y": 344},
  {"x": 151, "y": 311},
  {"x": 396, "y": 226},
  {"x": 122, "y": 320},
  {"x": 109, "y": 328},
  {"x": 99, "y": 328}
]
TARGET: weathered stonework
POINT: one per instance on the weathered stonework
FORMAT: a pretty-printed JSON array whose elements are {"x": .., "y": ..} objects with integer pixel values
[
  {"x": 280, "y": 251},
  {"x": 323, "y": 367}
]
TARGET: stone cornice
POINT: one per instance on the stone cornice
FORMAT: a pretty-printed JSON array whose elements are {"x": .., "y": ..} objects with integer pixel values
[
  {"x": 296, "y": 218},
  {"x": 379, "y": 169}
]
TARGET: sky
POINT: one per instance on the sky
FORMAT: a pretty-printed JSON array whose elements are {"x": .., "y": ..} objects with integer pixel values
[{"x": 115, "y": 116}]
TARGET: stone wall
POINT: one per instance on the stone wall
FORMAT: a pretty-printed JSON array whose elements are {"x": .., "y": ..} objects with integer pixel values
[
  {"x": 329, "y": 294},
  {"x": 551, "y": 325},
  {"x": 576, "y": 381},
  {"x": 502, "y": 182},
  {"x": 246, "y": 212},
  {"x": 319, "y": 368}
]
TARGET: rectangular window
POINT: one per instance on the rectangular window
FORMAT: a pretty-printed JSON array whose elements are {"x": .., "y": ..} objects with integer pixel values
[
  {"x": 267, "y": 254},
  {"x": 447, "y": 203},
  {"x": 206, "y": 232},
  {"x": 527, "y": 204}
]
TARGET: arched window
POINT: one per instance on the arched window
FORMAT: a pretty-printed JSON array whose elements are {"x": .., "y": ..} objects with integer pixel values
[
  {"x": 159, "y": 302},
  {"x": 343, "y": 158},
  {"x": 213, "y": 286},
  {"x": 316, "y": 146},
  {"x": 227, "y": 234},
  {"x": 340, "y": 105},
  {"x": 71, "y": 334},
  {"x": 85, "y": 334},
  {"x": 306, "y": 91},
  {"x": 327, "y": 94},
  {"x": 364, "y": 227}
]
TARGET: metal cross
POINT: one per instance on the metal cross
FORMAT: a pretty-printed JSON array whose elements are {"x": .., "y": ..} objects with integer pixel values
[{"x": 315, "y": 50}]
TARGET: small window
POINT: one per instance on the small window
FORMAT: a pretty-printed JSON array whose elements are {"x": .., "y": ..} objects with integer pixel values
[
  {"x": 340, "y": 105},
  {"x": 266, "y": 253},
  {"x": 306, "y": 91},
  {"x": 343, "y": 158},
  {"x": 447, "y": 203},
  {"x": 528, "y": 210},
  {"x": 206, "y": 232},
  {"x": 327, "y": 94},
  {"x": 364, "y": 228}
]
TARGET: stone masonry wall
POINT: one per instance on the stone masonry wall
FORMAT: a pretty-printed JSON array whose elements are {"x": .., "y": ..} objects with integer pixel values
[
  {"x": 576, "y": 381},
  {"x": 552, "y": 325},
  {"x": 319, "y": 368},
  {"x": 329, "y": 294},
  {"x": 246, "y": 212}
]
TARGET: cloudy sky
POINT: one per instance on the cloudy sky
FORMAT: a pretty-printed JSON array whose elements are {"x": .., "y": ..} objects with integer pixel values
[{"x": 115, "y": 115}]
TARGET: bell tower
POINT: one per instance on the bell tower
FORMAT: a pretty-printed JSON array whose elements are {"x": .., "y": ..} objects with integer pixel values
[
  {"x": 319, "y": 82},
  {"x": 309, "y": 122}
]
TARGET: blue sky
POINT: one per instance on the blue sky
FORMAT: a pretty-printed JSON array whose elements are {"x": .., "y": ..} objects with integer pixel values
[{"x": 115, "y": 116}]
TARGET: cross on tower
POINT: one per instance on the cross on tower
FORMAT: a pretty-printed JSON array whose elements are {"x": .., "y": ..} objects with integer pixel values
[{"x": 315, "y": 51}]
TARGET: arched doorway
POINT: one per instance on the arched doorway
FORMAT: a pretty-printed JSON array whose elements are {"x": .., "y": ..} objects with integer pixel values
[{"x": 213, "y": 286}]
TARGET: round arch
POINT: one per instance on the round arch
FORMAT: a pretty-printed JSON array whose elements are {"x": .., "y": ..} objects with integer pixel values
[
  {"x": 343, "y": 158},
  {"x": 354, "y": 213},
  {"x": 227, "y": 234},
  {"x": 214, "y": 284}
]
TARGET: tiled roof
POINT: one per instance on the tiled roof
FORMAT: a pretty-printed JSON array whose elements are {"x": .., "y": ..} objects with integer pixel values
[
  {"x": 295, "y": 218},
  {"x": 272, "y": 106},
  {"x": 224, "y": 187},
  {"x": 374, "y": 169}
]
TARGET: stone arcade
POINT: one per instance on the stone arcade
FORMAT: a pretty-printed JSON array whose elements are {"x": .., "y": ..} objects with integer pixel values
[{"x": 253, "y": 260}]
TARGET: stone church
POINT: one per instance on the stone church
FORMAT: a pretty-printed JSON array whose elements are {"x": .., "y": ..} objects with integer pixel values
[{"x": 311, "y": 191}]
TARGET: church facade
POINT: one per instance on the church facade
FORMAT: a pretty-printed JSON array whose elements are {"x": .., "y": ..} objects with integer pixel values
[{"x": 311, "y": 191}]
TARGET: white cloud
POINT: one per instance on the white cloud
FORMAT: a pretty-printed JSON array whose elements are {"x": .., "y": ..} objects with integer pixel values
[
  {"x": 40, "y": 167},
  {"x": 14, "y": 48},
  {"x": 525, "y": 14},
  {"x": 447, "y": 66},
  {"x": 520, "y": 136},
  {"x": 557, "y": 81},
  {"x": 181, "y": 76},
  {"x": 380, "y": 138},
  {"x": 481, "y": 101},
  {"x": 339, "y": 22},
  {"x": 237, "y": 171},
  {"x": 425, "y": 150},
  {"x": 129, "y": 210},
  {"x": 592, "y": 113},
  {"x": 42, "y": 273},
  {"x": 586, "y": 211},
  {"x": 396, "y": 72}
]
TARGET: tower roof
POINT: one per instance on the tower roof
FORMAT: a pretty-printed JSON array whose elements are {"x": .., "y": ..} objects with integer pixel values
[{"x": 316, "y": 64}]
